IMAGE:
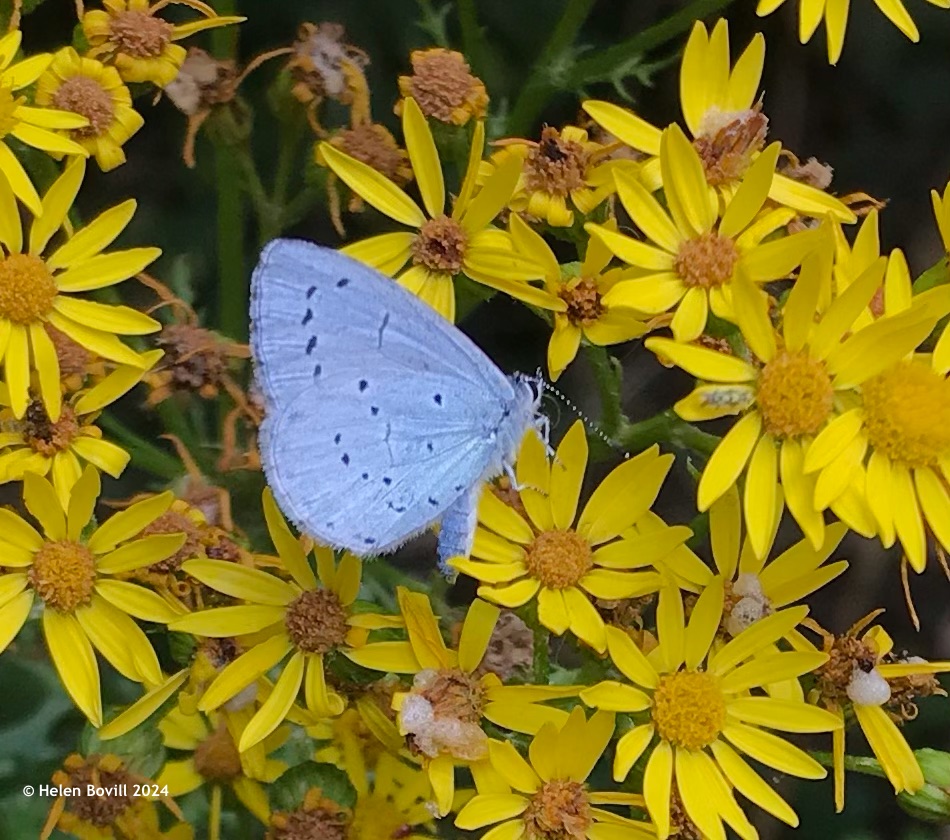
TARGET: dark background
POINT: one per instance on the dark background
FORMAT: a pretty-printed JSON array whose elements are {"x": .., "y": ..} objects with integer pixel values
[{"x": 881, "y": 119}]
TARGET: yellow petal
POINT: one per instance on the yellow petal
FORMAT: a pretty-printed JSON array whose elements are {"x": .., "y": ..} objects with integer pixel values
[
  {"x": 424, "y": 157},
  {"x": 624, "y": 125},
  {"x": 244, "y": 670},
  {"x": 243, "y": 582},
  {"x": 73, "y": 656},
  {"x": 729, "y": 459},
  {"x": 273, "y": 710},
  {"x": 702, "y": 362},
  {"x": 567, "y": 475}
]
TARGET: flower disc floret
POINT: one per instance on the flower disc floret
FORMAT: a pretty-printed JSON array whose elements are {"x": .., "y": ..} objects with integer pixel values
[
  {"x": 455, "y": 694},
  {"x": 706, "y": 261},
  {"x": 440, "y": 245},
  {"x": 27, "y": 288},
  {"x": 795, "y": 395},
  {"x": 316, "y": 621},
  {"x": 907, "y": 414},
  {"x": 583, "y": 301},
  {"x": 140, "y": 34},
  {"x": 557, "y": 165},
  {"x": 559, "y": 559},
  {"x": 689, "y": 709},
  {"x": 217, "y": 758},
  {"x": 559, "y": 810},
  {"x": 63, "y": 574},
  {"x": 85, "y": 96},
  {"x": 45, "y": 436}
]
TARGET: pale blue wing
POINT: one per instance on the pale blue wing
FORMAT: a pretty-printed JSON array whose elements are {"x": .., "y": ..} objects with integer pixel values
[{"x": 380, "y": 414}]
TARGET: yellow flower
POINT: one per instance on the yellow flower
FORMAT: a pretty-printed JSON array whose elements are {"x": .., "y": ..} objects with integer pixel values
[
  {"x": 89, "y": 88},
  {"x": 703, "y": 711},
  {"x": 441, "y": 715},
  {"x": 563, "y": 167},
  {"x": 797, "y": 399},
  {"x": 304, "y": 618},
  {"x": 586, "y": 316},
  {"x": 443, "y": 86},
  {"x": 71, "y": 579},
  {"x": 552, "y": 798},
  {"x": 880, "y": 689},
  {"x": 544, "y": 554},
  {"x": 722, "y": 110},
  {"x": 130, "y": 35},
  {"x": 941, "y": 205},
  {"x": 215, "y": 761},
  {"x": 40, "y": 445},
  {"x": 835, "y": 15},
  {"x": 443, "y": 245},
  {"x": 394, "y": 804},
  {"x": 38, "y": 290},
  {"x": 693, "y": 256},
  {"x": 33, "y": 126}
]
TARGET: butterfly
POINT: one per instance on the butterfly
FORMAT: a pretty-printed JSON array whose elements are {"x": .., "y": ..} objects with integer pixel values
[{"x": 381, "y": 417}]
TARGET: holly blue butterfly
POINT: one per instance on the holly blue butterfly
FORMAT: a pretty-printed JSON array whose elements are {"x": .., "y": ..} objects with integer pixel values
[{"x": 381, "y": 416}]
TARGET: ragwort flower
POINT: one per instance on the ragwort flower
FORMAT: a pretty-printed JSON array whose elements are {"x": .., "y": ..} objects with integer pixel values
[
  {"x": 881, "y": 689},
  {"x": 443, "y": 245},
  {"x": 693, "y": 255},
  {"x": 798, "y": 392},
  {"x": 724, "y": 116},
  {"x": 72, "y": 579},
  {"x": 441, "y": 715},
  {"x": 586, "y": 316},
  {"x": 548, "y": 796},
  {"x": 130, "y": 35},
  {"x": 392, "y": 802},
  {"x": 33, "y": 126},
  {"x": 443, "y": 86},
  {"x": 545, "y": 554},
  {"x": 37, "y": 290},
  {"x": 95, "y": 91},
  {"x": 304, "y": 618},
  {"x": 703, "y": 708},
  {"x": 835, "y": 15}
]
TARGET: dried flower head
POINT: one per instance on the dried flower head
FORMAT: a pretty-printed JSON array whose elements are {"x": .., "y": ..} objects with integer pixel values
[{"x": 444, "y": 87}]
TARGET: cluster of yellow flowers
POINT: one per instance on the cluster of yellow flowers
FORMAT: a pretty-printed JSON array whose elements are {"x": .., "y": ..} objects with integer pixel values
[{"x": 326, "y": 696}]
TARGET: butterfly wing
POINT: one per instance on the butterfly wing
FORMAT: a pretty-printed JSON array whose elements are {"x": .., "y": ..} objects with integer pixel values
[{"x": 380, "y": 414}]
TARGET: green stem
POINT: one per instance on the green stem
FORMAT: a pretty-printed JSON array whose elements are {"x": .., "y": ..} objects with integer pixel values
[
  {"x": 855, "y": 763},
  {"x": 605, "y": 62},
  {"x": 665, "y": 427},
  {"x": 608, "y": 375},
  {"x": 542, "y": 82},
  {"x": 145, "y": 454},
  {"x": 471, "y": 34},
  {"x": 291, "y": 132}
]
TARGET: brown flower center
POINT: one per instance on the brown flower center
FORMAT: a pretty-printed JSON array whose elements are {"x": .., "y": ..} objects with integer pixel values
[
  {"x": 139, "y": 34},
  {"x": 8, "y": 105},
  {"x": 455, "y": 694},
  {"x": 559, "y": 559},
  {"x": 907, "y": 414},
  {"x": 175, "y": 522},
  {"x": 707, "y": 260},
  {"x": 63, "y": 574},
  {"x": 443, "y": 86},
  {"x": 99, "y": 772},
  {"x": 794, "y": 394},
  {"x": 317, "y": 819},
  {"x": 27, "y": 289},
  {"x": 316, "y": 621},
  {"x": 440, "y": 245},
  {"x": 43, "y": 435},
  {"x": 559, "y": 810},
  {"x": 374, "y": 145},
  {"x": 583, "y": 302},
  {"x": 688, "y": 709},
  {"x": 728, "y": 143},
  {"x": 846, "y": 654},
  {"x": 88, "y": 98},
  {"x": 196, "y": 358},
  {"x": 74, "y": 359},
  {"x": 442, "y": 715},
  {"x": 217, "y": 758},
  {"x": 556, "y": 166}
]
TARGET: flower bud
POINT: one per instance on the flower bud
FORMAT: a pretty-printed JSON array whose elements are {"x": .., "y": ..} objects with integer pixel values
[{"x": 932, "y": 802}]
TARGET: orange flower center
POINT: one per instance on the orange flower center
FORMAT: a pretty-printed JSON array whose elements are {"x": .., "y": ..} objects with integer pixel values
[
  {"x": 559, "y": 559},
  {"x": 440, "y": 245},
  {"x": 559, "y": 810},
  {"x": 728, "y": 143},
  {"x": 8, "y": 105},
  {"x": 707, "y": 261},
  {"x": 140, "y": 34},
  {"x": 88, "y": 98},
  {"x": 316, "y": 621},
  {"x": 794, "y": 394},
  {"x": 43, "y": 435},
  {"x": 176, "y": 522},
  {"x": 443, "y": 86},
  {"x": 907, "y": 414},
  {"x": 63, "y": 574},
  {"x": 98, "y": 771},
  {"x": 217, "y": 758},
  {"x": 27, "y": 289},
  {"x": 555, "y": 166},
  {"x": 688, "y": 709},
  {"x": 583, "y": 302}
]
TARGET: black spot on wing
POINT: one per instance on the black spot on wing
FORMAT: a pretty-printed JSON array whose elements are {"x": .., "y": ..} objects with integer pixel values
[
  {"x": 387, "y": 480},
  {"x": 337, "y": 437},
  {"x": 382, "y": 328},
  {"x": 343, "y": 281},
  {"x": 429, "y": 446},
  {"x": 374, "y": 410},
  {"x": 438, "y": 399},
  {"x": 363, "y": 385},
  {"x": 311, "y": 344},
  {"x": 433, "y": 502},
  {"x": 308, "y": 316},
  {"x": 310, "y": 292},
  {"x": 345, "y": 459},
  {"x": 317, "y": 370}
]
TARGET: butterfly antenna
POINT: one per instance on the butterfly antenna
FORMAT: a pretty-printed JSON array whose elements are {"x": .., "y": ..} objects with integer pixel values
[{"x": 575, "y": 409}]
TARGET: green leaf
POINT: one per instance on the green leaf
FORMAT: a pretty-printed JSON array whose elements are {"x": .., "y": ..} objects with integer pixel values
[{"x": 288, "y": 792}]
